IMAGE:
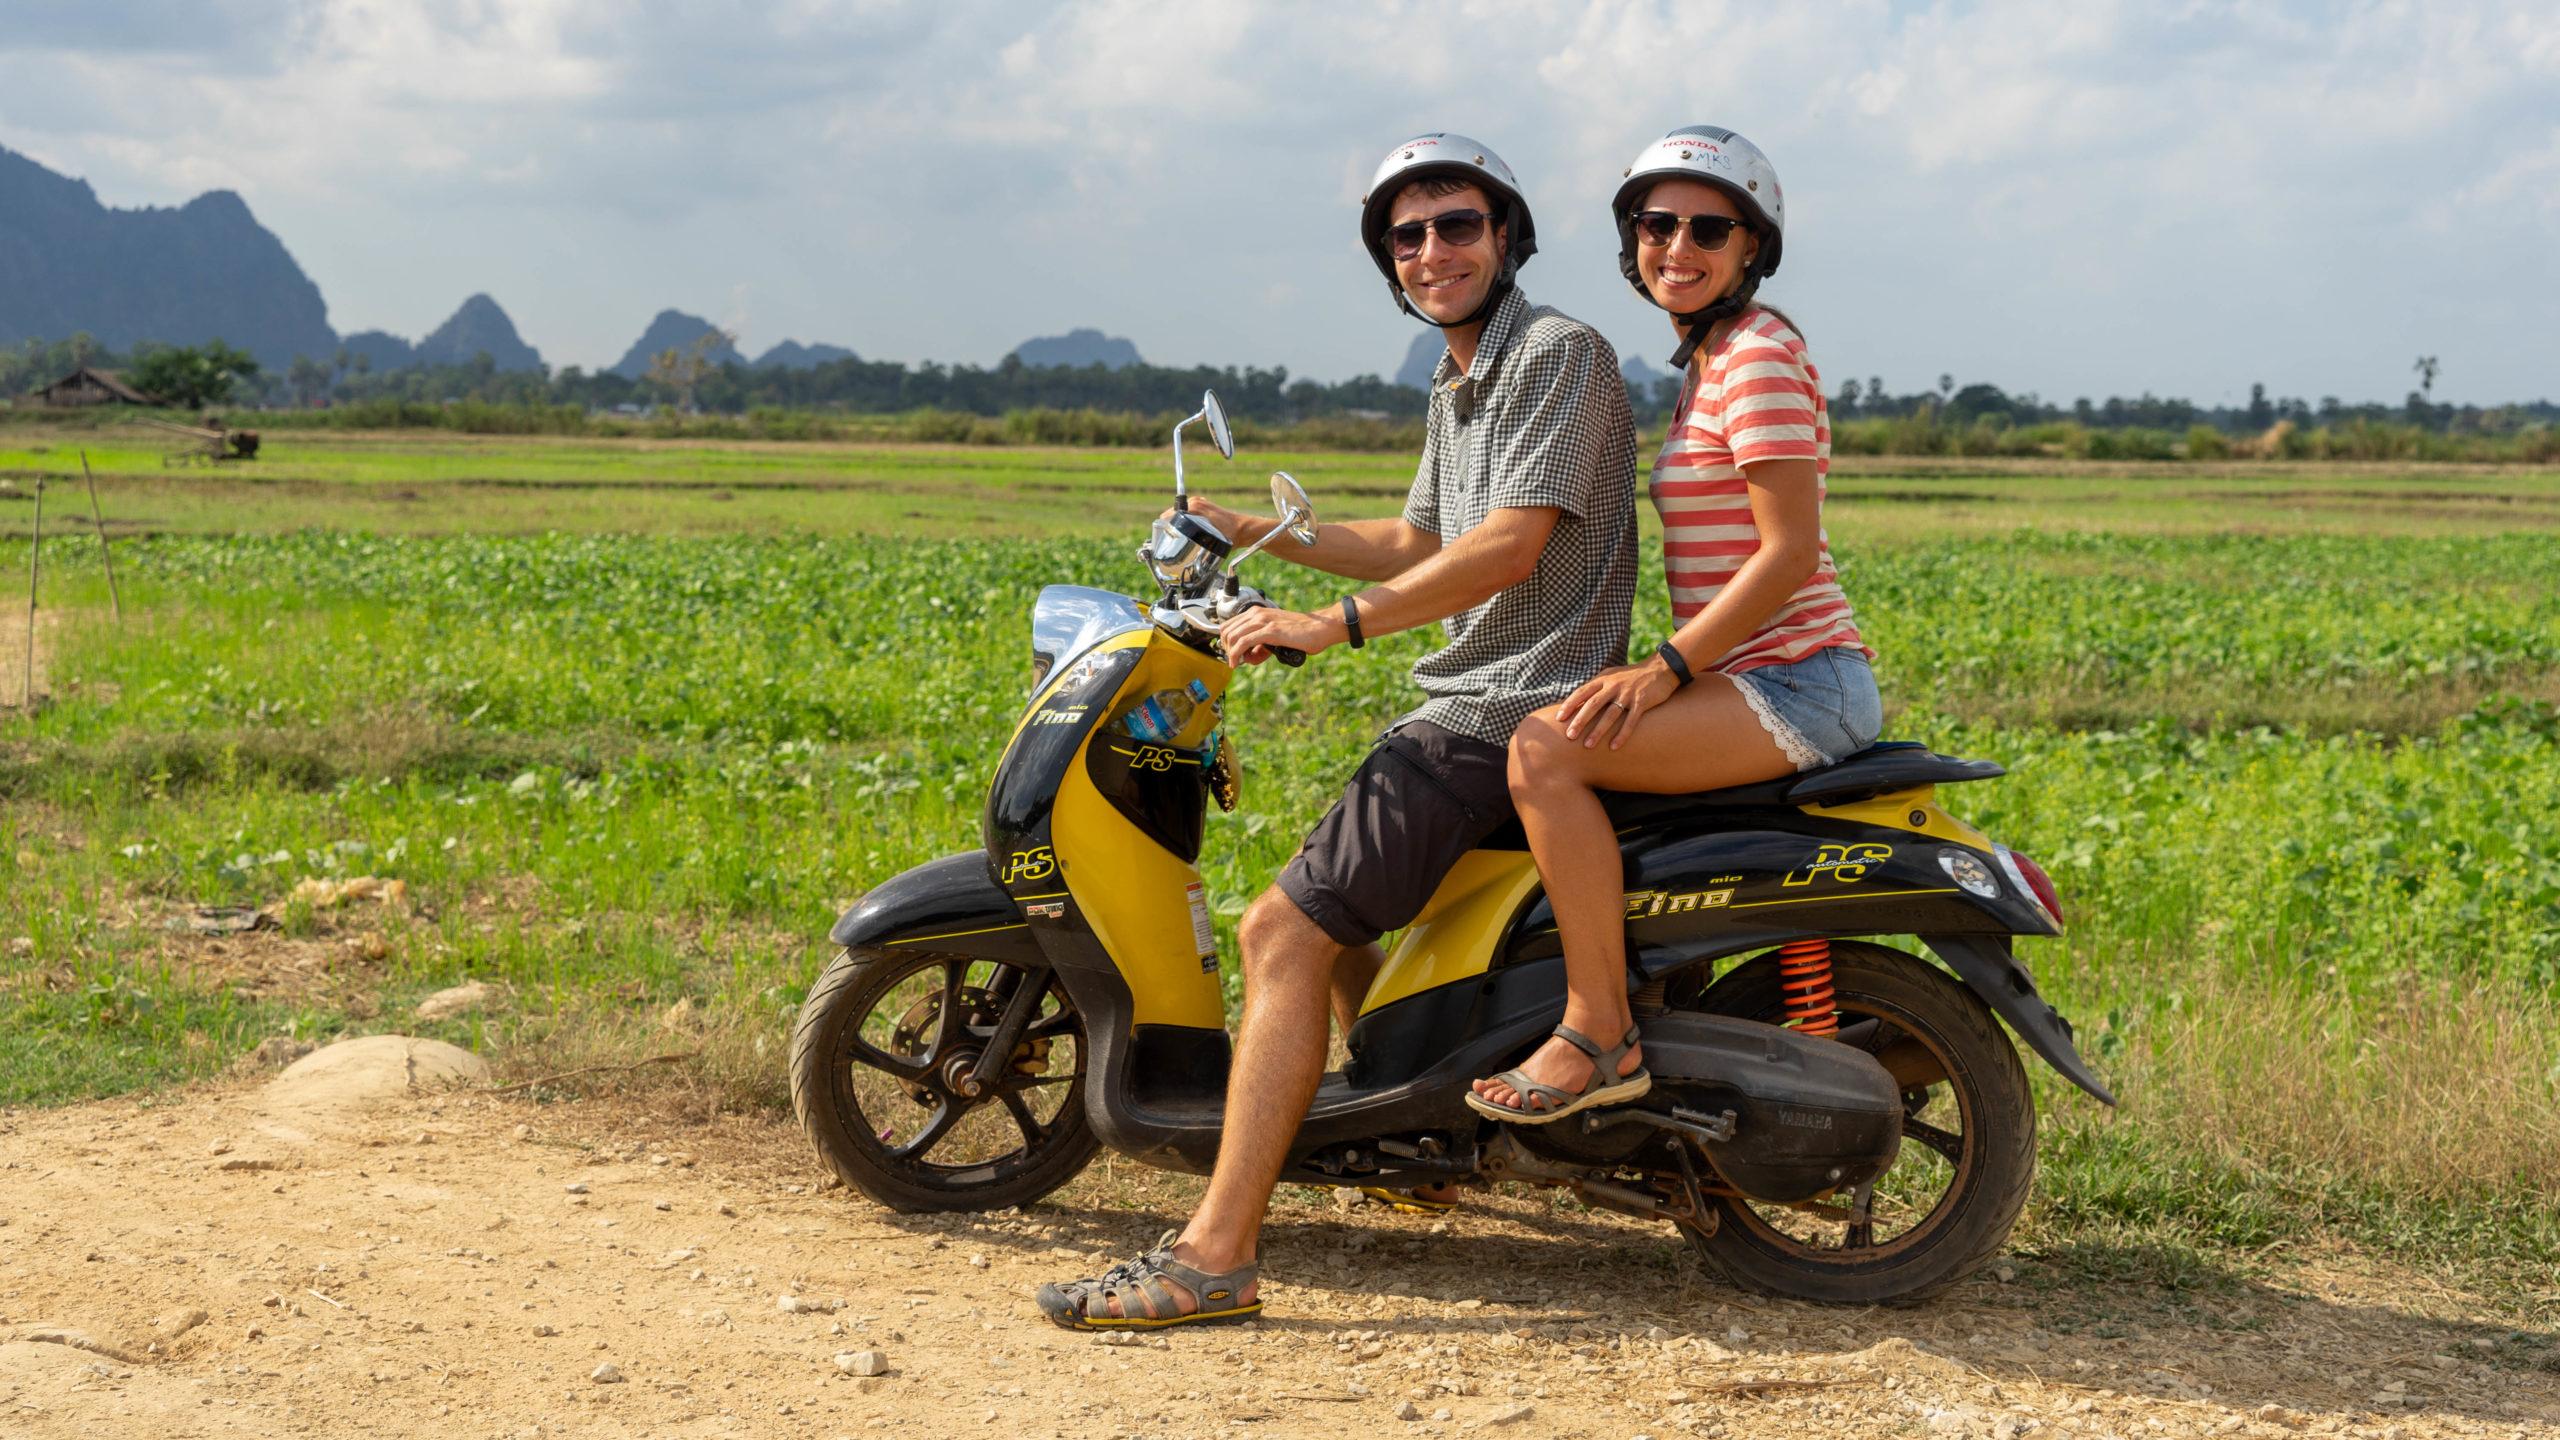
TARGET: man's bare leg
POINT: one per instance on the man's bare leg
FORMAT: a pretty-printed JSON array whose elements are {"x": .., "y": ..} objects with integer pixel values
[
  {"x": 1293, "y": 974},
  {"x": 1280, "y": 1042},
  {"x": 1352, "y": 976}
]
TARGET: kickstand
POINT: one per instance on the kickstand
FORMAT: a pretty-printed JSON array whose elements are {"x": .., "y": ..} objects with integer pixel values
[
  {"x": 1862, "y": 1218},
  {"x": 1691, "y": 1209}
]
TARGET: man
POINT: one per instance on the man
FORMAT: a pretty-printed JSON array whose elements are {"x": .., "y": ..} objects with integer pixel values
[{"x": 1520, "y": 537}]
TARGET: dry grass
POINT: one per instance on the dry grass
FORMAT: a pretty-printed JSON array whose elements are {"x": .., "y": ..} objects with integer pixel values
[
  {"x": 2385, "y": 706},
  {"x": 2444, "y": 1090}
]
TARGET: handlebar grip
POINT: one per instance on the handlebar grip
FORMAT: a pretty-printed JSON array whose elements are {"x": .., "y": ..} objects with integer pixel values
[{"x": 1286, "y": 656}]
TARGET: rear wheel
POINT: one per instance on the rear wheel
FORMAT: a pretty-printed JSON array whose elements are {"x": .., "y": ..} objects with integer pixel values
[
  {"x": 1968, "y": 1141},
  {"x": 884, "y": 1064}
]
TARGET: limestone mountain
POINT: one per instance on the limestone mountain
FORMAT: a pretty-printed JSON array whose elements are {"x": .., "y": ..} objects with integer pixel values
[
  {"x": 1077, "y": 349},
  {"x": 202, "y": 271},
  {"x": 673, "y": 330},
  {"x": 478, "y": 326},
  {"x": 1643, "y": 381},
  {"x": 1425, "y": 353},
  {"x": 792, "y": 355},
  {"x": 380, "y": 350}
]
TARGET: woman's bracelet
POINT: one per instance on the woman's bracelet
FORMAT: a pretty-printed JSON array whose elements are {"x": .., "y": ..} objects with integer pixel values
[{"x": 1677, "y": 663}]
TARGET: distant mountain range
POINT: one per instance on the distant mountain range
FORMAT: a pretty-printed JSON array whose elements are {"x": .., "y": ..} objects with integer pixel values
[
  {"x": 204, "y": 270},
  {"x": 674, "y": 330},
  {"x": 1077, "y": 349},
  {"x": 792, "y": 355},
  {"x": 208, "y": 270},
  {"x": 479, "y": 327}
]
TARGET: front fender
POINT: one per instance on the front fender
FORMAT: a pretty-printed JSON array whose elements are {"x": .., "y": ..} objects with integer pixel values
[
  {"x": 1986, "y": 963},
  {"x": 949, "y": 906}
]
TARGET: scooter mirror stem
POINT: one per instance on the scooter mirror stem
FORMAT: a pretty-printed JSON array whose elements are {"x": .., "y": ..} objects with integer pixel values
[{"x": 1181, "y": 496}]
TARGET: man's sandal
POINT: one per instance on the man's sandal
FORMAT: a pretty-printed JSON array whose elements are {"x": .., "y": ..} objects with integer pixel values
[
  {"x": 1559, "y": 1102},
  {"x": 1139, "y": 1285}
]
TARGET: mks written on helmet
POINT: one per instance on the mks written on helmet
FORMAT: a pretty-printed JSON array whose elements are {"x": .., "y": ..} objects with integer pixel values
[
  {"x": 1441, "y": 155},
  {"x": 1732, "y": 164}
]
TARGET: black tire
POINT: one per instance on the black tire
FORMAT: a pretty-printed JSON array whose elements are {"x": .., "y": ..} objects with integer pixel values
[
  {"x": 871, "y": 1049},
  {"x": 1989, "y": 1161}
]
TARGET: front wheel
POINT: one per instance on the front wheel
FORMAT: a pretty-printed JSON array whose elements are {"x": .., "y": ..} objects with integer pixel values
[
  {"x": 1968, "y": 1141},
  {"x": 884, "y": 1062}
]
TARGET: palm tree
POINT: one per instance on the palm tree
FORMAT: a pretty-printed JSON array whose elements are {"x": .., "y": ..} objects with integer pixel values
[{"x": 2426, "y": 368}]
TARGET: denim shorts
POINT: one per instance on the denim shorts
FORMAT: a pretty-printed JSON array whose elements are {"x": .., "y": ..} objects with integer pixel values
[{"x": 1821, "y": 710}]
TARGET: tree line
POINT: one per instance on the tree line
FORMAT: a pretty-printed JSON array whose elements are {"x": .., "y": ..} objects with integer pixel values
[{"x": 215, "y": 374}]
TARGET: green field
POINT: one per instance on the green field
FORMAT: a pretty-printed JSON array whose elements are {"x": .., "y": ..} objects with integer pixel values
[{"x": 631, "y": 720}]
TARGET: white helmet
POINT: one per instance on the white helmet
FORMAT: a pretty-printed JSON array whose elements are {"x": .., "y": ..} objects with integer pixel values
[
  {"x": 1721, "y": 158},
  {"x": 1455, "y": 157}
]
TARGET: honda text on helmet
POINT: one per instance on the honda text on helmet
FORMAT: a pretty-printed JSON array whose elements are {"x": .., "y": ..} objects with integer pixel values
[
  {"x": 1444, "y": 156},
  {"x": 1733, "y": 165}
]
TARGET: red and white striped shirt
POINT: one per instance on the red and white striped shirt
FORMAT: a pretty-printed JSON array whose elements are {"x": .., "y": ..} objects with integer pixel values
[{"x": 1759, "y": 398}]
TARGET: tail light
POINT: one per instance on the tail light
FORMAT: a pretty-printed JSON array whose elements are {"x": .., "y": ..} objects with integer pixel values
[{"x": 2032, "y": 879}]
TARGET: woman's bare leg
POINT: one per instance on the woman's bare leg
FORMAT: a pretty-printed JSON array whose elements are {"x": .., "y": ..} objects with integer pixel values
[{"x": 1703, "y": 738}]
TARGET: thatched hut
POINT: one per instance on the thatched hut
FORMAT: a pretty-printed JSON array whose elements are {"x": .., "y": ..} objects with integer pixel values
[{"x": 90, "y": 385}]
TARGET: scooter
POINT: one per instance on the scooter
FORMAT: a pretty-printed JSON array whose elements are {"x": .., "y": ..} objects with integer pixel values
[{"x": 1831, "y": 1118}]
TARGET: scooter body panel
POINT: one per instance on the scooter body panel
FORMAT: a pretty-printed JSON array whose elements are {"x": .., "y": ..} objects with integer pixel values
[
  {"x": 1081, "y": 817},
  {"x": 949, "y": 906}
]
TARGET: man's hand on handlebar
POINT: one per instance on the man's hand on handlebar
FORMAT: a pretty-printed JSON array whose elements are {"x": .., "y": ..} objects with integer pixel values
[
  {"x": 1253, "y": 636},
  {"x": 1238, "y": 527}
]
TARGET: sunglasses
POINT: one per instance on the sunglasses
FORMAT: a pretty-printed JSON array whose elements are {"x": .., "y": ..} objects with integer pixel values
[
  {"x": 1456, "y": 227},
  {"x": 1707, "y": 232}
]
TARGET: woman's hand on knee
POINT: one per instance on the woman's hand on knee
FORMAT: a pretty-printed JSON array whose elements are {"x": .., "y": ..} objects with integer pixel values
[{"x": 1610, "y": 703}]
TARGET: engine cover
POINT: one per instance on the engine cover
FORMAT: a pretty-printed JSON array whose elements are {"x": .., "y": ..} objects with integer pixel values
[{"x": 1810, "y": 1114}]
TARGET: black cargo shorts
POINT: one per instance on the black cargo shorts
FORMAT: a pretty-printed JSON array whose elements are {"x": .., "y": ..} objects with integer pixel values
[{"x": 1424, "y": 797}]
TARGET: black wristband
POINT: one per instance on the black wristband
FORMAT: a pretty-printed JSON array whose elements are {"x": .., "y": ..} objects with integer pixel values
[
  {"x": 1671, "y": 657},
  {"x": 1351, "y": 621}
]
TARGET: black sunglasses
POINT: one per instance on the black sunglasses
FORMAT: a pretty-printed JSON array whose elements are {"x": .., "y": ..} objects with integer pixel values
[
  {"x": 1707, "y": 232},
  {"x": 1457, "y": 227}
]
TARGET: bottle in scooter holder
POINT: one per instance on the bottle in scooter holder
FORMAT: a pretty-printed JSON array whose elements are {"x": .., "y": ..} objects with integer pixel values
[{"x": 1162, "y": 716}]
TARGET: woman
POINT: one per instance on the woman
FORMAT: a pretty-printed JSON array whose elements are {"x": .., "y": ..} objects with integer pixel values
[{"x": 1765, "y": 673}]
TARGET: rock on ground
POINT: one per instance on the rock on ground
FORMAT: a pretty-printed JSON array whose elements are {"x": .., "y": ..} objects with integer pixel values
[{"x": 459, "y": 999}]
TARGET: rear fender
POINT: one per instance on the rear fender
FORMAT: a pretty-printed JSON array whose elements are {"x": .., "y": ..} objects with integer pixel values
[
  {"x": 1986, "y": 963},
  {"x": 950, "y": 906}
]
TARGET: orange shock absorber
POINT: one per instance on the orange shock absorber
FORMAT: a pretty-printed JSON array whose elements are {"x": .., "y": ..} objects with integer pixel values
[{"x": 1804, "y": 979}]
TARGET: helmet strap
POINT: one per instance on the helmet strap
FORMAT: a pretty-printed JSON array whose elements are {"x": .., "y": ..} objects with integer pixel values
[{"x": 1698, "y": 324}]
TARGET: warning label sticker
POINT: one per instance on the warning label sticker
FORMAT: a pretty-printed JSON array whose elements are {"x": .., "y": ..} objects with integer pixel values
[{"x": 1204, "y": 939}]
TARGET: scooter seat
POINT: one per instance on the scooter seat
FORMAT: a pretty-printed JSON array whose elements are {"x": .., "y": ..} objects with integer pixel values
[
  {"x": 1889, "y": 765},
  {"x": 1885, "y": 766}
]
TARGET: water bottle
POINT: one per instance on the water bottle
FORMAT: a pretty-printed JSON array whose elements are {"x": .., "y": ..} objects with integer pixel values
[{"x": 1161, "y": 716}]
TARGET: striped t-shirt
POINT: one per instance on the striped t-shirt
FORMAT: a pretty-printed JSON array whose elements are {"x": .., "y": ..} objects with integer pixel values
[{"x": 1759, "y": 398}]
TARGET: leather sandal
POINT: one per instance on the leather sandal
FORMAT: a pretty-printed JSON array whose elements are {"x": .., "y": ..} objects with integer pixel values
[
  {"x": 1407, "y": 1202},
  {"x": 1560, "y": 1102},
  {"x": 1139, "y": 1285}
]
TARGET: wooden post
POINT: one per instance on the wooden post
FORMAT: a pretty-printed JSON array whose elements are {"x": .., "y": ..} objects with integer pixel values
[
  {"x": 104, "y": 553},
  {"x": 35, "y": 561}
]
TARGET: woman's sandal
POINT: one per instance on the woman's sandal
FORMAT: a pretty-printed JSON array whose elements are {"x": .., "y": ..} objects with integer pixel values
[
  {"x": 1560, "y": 1102},
  {"x": 1140, "y": 1284},
  {"x": 1408, "y": 1202}
]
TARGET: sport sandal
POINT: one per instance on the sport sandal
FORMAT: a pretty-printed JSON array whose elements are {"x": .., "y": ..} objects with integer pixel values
[
  {"x": 1559, "y": 1102},
  {"x": 1140, "y": 1285}
]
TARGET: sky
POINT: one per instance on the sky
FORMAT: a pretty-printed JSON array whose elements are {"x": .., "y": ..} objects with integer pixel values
[{"x": 2078, "y": 199}]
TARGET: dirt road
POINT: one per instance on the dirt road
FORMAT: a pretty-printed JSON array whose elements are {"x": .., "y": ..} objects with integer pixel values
[{"x": 215, "y": 1262}]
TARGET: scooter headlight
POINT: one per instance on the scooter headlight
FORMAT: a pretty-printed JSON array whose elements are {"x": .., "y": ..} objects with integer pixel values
[{"x": 1968, "y": 871}]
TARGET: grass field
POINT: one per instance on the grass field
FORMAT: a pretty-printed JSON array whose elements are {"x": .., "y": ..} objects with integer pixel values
[{"x": 630, "y": 721}]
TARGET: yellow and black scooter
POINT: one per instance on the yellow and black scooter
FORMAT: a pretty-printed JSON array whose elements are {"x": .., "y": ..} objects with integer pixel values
[{"x": 1830, "y": 1118}]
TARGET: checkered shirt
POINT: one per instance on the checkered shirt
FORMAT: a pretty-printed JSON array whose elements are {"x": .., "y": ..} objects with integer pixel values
[{"x": 1541, "y": 421}]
